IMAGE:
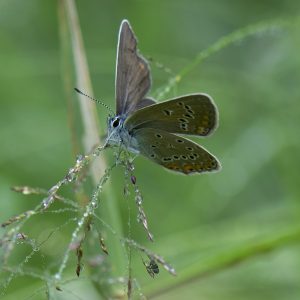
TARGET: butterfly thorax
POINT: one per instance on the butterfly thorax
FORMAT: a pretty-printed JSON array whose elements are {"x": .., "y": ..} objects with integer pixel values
[{"x": 118, "y": 135}]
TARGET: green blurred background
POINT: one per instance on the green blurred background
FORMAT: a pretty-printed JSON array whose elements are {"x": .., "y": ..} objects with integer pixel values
[{"x": 198, "y": 221}]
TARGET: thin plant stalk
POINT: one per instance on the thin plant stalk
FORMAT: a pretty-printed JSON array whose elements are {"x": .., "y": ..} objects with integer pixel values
[{"x": 92, "y": 132}]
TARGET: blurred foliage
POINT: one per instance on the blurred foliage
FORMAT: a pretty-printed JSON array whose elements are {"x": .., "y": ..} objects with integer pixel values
[{"x": 199, "y": 222}]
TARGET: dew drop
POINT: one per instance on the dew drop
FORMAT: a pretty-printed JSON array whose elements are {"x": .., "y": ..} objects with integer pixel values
[
  {"x": 48, "y": 201},
  {"x": 57, "y": 276},
  {"x": 21, "y": 236},
  {"x": 138, "y": 199},
  {"x": 79, "y": 158},
  {"x": 53, "y": 189},
  {"x": 130, "y": 167},
  {"x": 70, "y": 177}
]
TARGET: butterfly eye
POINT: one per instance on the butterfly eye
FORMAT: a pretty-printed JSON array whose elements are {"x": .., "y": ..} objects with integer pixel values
[{"x": 116, "y": 122}]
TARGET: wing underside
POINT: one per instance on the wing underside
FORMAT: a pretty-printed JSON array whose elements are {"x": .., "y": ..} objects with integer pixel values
[
  {"x": 133, "y": 79},
  {"x": 194, "y": 114},
  {"x": 174, "y": 152}
]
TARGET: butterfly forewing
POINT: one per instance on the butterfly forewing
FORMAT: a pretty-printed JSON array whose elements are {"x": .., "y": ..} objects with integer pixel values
[
  {"x": 145, "y": 102},
  {"x": 174, "y": 152},
  {"x": 133, "y": 79},
  {"x": 193, "y": 114}
]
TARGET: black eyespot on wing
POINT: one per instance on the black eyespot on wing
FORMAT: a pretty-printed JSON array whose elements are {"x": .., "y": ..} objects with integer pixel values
[
  {"x": 189, "y": 116},
  {"x": 167, "y": 112},
  {"x": 183, "y": 120},
  {"x": 165, "y": 159}
]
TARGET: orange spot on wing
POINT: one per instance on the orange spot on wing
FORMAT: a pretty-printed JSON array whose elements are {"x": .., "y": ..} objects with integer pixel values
[
  {"x": 172, "y": 166},
  {"x": 189, "y": 168},
  {"x": 203, "y": 130}
]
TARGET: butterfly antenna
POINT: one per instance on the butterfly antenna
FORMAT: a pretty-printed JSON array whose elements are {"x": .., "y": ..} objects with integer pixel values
[{"x": 96, "y": 100}]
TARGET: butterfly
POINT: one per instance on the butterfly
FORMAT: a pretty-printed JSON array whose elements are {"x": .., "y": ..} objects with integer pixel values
[{"x": 145, "y": 127}]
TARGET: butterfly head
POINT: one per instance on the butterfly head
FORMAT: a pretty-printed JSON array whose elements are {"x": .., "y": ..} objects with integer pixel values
[
  {"x": 115, "y": 128},
  {"x": 118, "y": 135}
]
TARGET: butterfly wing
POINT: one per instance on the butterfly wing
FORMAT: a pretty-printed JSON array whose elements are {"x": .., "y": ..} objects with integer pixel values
[
  {"x": 133, "y": 79},
  {"x": 173, "y": 152},
  {"x": 145, "y": 102},
  {"x": 194, "y": 114}
]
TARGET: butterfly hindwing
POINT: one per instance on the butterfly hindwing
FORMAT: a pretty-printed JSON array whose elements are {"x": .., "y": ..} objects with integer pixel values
[
  {"x": 193, "y": 114},
  {"x": 133, "y": 79},
  {"x": 174, "y": 152}
]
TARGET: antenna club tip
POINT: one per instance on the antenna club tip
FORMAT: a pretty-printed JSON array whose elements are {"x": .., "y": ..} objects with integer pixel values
[{"x": 77, "y": 90}]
